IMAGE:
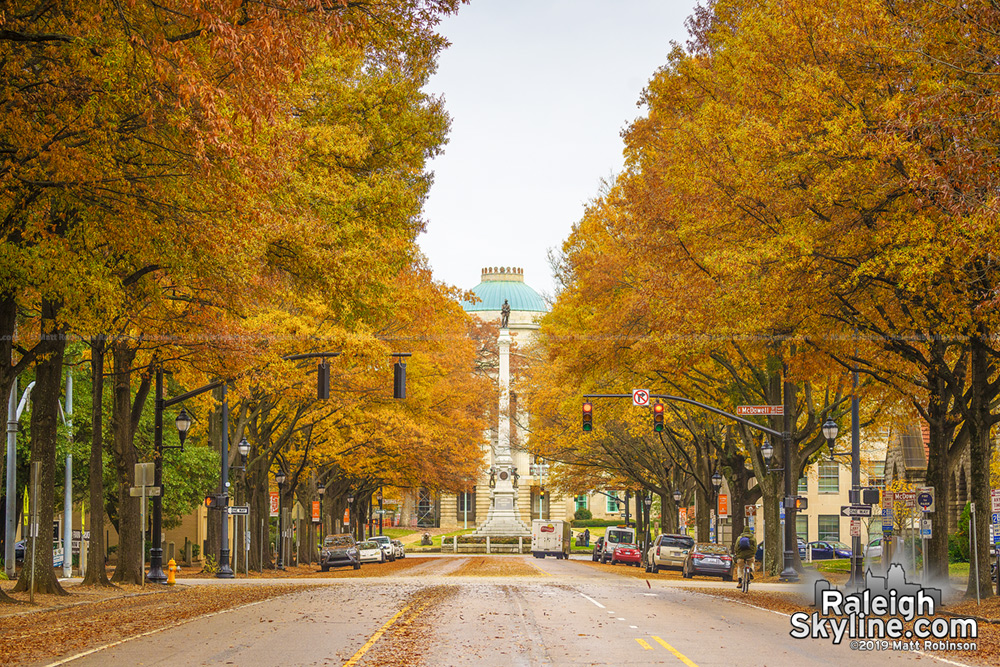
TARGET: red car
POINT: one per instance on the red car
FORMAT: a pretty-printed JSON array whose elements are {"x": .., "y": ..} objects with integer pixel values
[{"x": 627, "y": 553}]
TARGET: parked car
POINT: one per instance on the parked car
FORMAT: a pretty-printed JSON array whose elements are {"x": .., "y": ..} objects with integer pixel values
[
  {"x": 399, "y": 549},
  {"x": 627, "y": 553},
  {"x": 874, "y": 549},
  {"x": 612, "y": 538},
  {"x": 822, "y": 550},
  {"x": 759, "y": 556},
  {"x": 598, "y": 549},
  {"x": 385, "y": 543},
  {"x": 714, "y": 560},
  {"x": 668, "y": 551},
  {"x": 339, "y": 550},
  {"x": 370, "y": 552}
]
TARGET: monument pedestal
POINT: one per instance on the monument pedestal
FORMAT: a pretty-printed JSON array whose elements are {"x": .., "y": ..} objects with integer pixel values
[{"x": 503, "y": 519}]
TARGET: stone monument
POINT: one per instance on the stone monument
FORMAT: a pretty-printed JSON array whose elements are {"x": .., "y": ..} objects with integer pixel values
[{"x": 503, "y": 519}]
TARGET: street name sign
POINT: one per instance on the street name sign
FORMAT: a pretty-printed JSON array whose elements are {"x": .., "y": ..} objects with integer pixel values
[
  {"x": 756, "y": 410},
  {"x": 855, "y": 510},
  {"x": 640, "y": 397},
  {"x": 151, "y": 491},
  {"x": 908, "y": 498},
  {"x": 240, "y": 509}
]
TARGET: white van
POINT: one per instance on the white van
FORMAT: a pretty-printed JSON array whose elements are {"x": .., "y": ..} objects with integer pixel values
[
  {"x": 613, "y": 536},
  {"x": 550, "y": 538}
]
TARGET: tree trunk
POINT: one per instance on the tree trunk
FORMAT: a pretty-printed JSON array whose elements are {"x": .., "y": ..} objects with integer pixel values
[
  {"x": 97, "y": 574},
  {"x": 44, "y": 428},
  {"x": 131, "y": 553},
  {"x": 939, "y": 467},
  {"x": 979, "y": 456},
  {"x": 260, "y": 514}
]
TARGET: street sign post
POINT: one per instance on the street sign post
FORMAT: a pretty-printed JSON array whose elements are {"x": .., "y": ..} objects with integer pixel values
[
  {"x": 886, "y": 519},
  {"x": 760, "y": 410},
  {"x": 925, "y": 529},
  {"x": 640, "y": 397},
  {"x": 995, "y": 499},
  {"x": 240, "y": 509},
  {"x": 855, "y": 510}
]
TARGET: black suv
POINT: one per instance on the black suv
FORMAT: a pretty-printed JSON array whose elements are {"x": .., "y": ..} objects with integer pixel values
[{"x": 339, "y": 550}]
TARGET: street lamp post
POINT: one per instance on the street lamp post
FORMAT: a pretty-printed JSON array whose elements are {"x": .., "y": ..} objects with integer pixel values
[
  {"x": 380, "y": 515},
  {"x": 279, "y": 478},
  {"x": 717, "y": 484},
  {"x": 830, "y": 432},
  {"x": 350, "y": 515},
  {"x": 320, "y": 490},
  {"x": 648, "y": 502},
  {"x": 243, "y": 447},
  {"x": 677, "y": 503}
]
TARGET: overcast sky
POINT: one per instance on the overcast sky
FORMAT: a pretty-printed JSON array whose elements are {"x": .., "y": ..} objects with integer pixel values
[{"x": 538, "y": 92}]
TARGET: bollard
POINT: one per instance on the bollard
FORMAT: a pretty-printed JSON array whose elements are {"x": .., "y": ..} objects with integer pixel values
[{"x": 171, "y": 570}]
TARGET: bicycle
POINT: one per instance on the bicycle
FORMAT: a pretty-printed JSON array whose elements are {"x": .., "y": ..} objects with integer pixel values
[{"x": 746, "y": 573}]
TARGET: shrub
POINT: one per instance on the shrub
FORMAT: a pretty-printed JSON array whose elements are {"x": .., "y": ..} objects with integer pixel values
[
  {"x": 958, "y": 542},
  {"x": 583, "y": 514},
  {"x": 593, "y": 523}
]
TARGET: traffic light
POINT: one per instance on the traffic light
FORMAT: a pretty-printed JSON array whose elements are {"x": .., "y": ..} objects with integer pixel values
[
  {"x": 399, "y": 379},
  {"x": 323, "y": 381},
  {"x": 541, "y": 495},
  {"x": 801, "y": 503},
  {"x": 658, "y": 417},
  {"x": 588, "y": 416}
]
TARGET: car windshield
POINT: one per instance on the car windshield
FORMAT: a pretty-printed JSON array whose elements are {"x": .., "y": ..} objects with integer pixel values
[
  {"x": 619, "y": 536},
  {"x": 380, "y": 538},
  {"x": 337, "y": 541},
  {"x": 838, "y": 545},
  {"x": 369, "y": 545},
  {"x": 626, "y": 545},
  {"x": 677, "y": 542},
  {"x": 712, "y": 549}
]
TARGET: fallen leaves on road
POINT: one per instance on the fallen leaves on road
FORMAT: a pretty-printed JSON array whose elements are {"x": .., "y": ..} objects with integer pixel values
[
  {"x": 486, "y": 566},
  {"x": 313, "y": 571},
  {"x": 109, "y": 615}
]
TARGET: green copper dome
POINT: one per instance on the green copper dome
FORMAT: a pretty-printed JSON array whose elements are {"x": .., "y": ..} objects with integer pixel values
[{"x": 499, "y": 283}]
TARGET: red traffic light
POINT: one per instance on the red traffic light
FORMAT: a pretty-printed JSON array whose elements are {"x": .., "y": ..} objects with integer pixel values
[
  {"x": 588, "y": 416},
  {"x": 658, "y": 417}
]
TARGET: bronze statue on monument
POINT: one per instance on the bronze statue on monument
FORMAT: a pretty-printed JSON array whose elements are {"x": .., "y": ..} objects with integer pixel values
[{"x": 504, "y": 314}]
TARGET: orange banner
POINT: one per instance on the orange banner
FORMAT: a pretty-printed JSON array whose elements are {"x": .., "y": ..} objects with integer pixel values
[
  {"x": 723, "y": 505},
  {"x": 316, "y": 511}
]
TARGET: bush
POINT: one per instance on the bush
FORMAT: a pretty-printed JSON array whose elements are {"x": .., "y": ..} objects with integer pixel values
[
  {"x": 958, "y": 542},
  {"x": 594, "y": 523},
  {"x": 583, "y": 514}
]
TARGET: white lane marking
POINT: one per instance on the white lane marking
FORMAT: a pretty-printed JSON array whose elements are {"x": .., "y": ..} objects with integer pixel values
[
  {"x": 650, "y": 595},
  {"x": 620, "y": 618},
  {"x": 634, "y": 627},
  {"x": 592, "y": 600}
]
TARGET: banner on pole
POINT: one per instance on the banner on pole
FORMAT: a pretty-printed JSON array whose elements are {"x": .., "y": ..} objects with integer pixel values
[{"x": 274, "y": 503}]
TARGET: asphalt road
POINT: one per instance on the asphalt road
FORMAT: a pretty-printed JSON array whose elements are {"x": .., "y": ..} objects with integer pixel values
[{"x": 544, "y": 612}]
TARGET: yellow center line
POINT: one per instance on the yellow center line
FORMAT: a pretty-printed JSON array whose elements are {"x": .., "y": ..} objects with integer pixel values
[
  {"x": 680, "y": 656},
  {"x": 643, "y": 643},
  {"x": 375, "y": 637}
]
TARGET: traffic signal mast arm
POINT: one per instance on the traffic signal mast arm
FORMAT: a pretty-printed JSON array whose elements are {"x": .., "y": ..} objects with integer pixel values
[{"x": 681, "y": 399}]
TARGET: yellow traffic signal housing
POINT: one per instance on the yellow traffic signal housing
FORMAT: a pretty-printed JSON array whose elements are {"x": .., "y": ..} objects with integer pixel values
[
  {"x": 588, "y": 416},
  {"x": 658, "y": 417}
]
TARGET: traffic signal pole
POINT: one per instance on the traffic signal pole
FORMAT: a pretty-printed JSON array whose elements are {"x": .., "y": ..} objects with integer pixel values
[{"x": 788, "y": 573}]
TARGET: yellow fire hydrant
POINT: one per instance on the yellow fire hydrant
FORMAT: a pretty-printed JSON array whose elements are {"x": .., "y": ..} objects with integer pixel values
[{"x": 171, "y": 570}]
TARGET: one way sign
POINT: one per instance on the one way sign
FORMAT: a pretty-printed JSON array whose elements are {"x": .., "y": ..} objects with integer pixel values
[{"x": 855, "y": 510}]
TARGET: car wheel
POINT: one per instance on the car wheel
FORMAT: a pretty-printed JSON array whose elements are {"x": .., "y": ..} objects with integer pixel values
[
  {"x": 357, "y": 566},
  {"x": 324, "y": 568},
  {"x": 727, "y": 577},
  {"x": 655, "y": 569},
  {"x": 685, "y": 573}
]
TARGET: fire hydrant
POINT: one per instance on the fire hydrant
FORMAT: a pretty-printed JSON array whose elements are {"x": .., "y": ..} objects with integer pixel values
[{"x": 171, "y": 570}]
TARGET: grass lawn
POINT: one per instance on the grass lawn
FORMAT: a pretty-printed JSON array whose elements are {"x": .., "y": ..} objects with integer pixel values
[
  {"x": 436, "y": 540},
  {"x": 396, "y": 533}
]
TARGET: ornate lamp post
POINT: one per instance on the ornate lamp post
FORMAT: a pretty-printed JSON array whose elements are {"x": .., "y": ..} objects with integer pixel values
[
  {"x": 677, "y": 502},
  {"x": 648, "y": 502},
  {"x": 279, "y": 478},
  {"x": 717, "y": 484},
  {"x": 320, "y": 490},
  {"x": 830, "y": 431},
  {"x": 350, "y": 514},
  {"x": 183, "y": 424},
  {"x": 243, "y": 447},
  {"x": 380, "y": 515}
]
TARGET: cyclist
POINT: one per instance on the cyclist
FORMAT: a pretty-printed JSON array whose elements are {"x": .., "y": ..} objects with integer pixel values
[{"x": 744, "y": 549}]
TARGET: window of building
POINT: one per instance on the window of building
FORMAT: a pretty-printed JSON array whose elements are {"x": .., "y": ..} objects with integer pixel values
[
  {"x": 581, "y": 503},
  {"x": 803, "y": 485},
  {"x": 466, "y": 506},
  {"x": 802, "y": 527},
  {"x": 877, "y": 476},
  {"x": 611, "y": 506},
  {"x": 828, "y": 528},
  {"x": 829, "y": 477}
]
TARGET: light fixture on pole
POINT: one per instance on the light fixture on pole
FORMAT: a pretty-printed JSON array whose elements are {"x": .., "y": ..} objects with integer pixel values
[
  {"x": 183, "y": 423},
  {"x": 767, "y": 451},
  {"x": 243, "y": 447},
  {"x": 279, "y": 479},
  {"x": 677, "y": 495},
  {"x": 716, "y": 484},
  {"x": 830, "y": 431},
  {"x": 677, "y": 502}
]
